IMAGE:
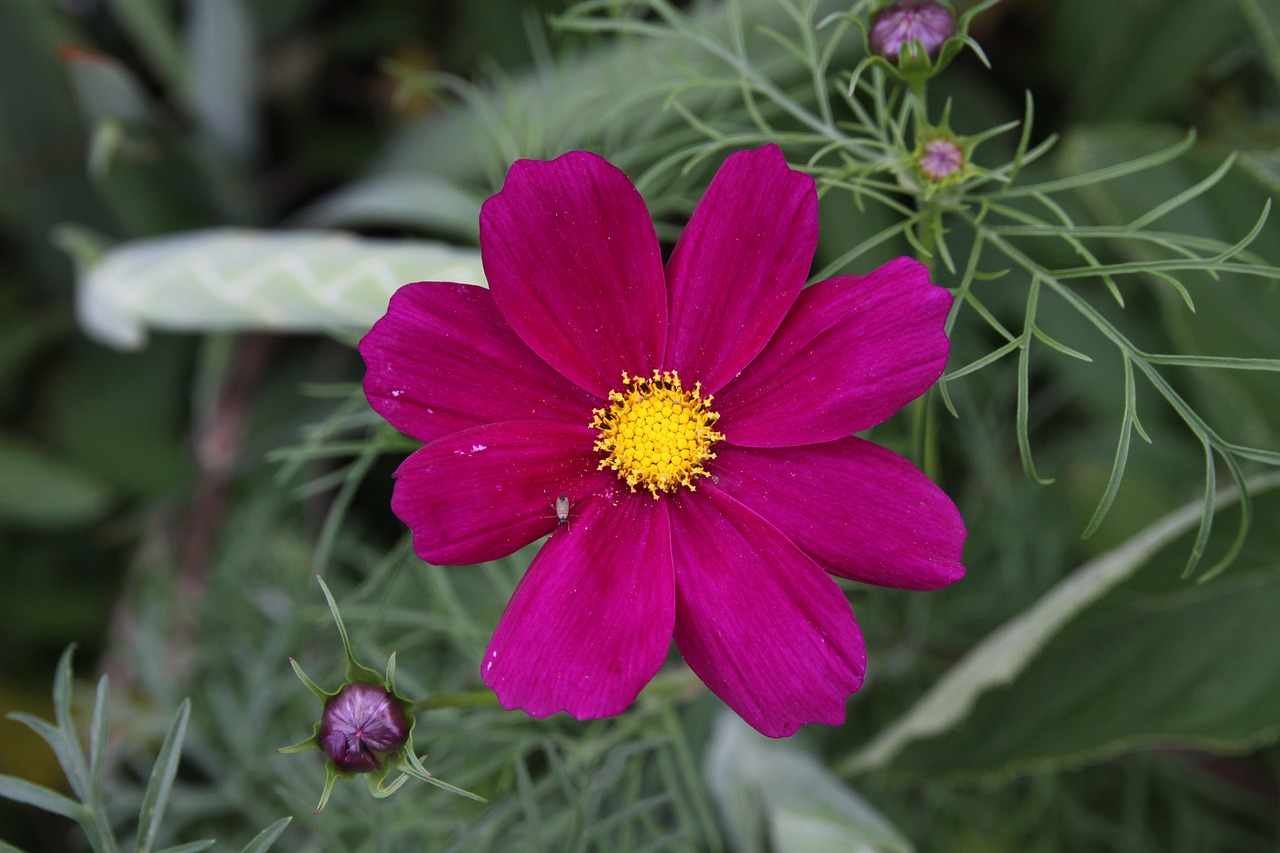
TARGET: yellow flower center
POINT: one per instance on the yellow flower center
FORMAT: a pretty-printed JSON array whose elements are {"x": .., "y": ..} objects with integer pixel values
[{"x": 655, "y": 433}]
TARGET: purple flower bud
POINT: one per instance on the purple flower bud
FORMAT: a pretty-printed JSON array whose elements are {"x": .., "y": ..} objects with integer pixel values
[
  {"x": 361, "y": 725},
  {"x": 911, "y": 20},
  {"x": 940, "y": 159}
]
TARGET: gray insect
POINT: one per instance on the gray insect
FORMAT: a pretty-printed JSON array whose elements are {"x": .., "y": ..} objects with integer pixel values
[{"x": 562, "y": 511}]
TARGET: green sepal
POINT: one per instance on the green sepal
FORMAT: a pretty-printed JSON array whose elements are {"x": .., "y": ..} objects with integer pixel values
[
  {"x": 355, "y": 671},
  {"x": 311, "y": 685},
  {"x": 312, "y": 742},
  {"x": 331, "y": 774},
  {"x": 412, "y": 766}
]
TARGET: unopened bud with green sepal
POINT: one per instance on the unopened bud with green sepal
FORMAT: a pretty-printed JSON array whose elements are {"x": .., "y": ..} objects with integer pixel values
[
  {"x": 915, "y": 39},
  {"x": 366, "y": 726}
]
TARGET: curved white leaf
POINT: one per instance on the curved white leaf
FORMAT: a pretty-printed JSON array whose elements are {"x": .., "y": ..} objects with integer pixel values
[{"x": 243, "y": 280}]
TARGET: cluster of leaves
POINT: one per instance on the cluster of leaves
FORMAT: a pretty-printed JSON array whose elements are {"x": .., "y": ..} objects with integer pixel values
[
  {"x": 991, "y": 222},
  {"x": 1110, "y": 275},
  {"x": 89, "y": 810}
]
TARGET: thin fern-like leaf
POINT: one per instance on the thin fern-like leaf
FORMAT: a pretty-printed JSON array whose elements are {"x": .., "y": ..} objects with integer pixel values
[{"x": 1121, "y": 457}]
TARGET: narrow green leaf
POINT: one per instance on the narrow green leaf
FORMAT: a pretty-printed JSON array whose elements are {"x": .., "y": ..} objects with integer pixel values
[
  {"x": 1122, "y": 451},
  {"x": 979, "y": 363},
  {"x": 190, "y": 847},
  {"x": 74, "y": 765},
  {"x": 1220, "y": 362},
  {"x": 22, "y": 791},
  {"x": 160, "y": 786},
  {"x": 1108, "y": 173},
  {"x": 1185, "y": 196},
  {"x": 263, "y": 840},
  {"x": 1054, "y": 343},
  {"x": 98, "y": 733},
  {"x": 1206, "y": 513},
  {"x": 1023, "y": 413},
  {"x": 1242, "y": 529}
]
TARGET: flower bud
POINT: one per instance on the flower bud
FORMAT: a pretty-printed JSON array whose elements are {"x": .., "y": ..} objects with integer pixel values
[
  {"x": 360, "y": 726},
  {"x": 906, "y": 21},
  {"x": 939, "y": 159}
]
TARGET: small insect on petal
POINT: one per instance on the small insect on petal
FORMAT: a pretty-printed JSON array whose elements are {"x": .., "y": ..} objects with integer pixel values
[{"x": 562, "y": 509}]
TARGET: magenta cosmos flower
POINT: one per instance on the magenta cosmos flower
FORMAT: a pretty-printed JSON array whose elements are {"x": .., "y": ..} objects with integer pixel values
[{"x": 698, "y": 420}]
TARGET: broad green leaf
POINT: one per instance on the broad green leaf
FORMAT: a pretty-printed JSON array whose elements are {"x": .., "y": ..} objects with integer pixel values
[
  {"x": 1006, "y": 653},
  {"x": 774, "y": 796},
  {"x": 239, "y": 279},
  {"x": 105, "y": 88},
  {"x": 136, "y": 404},
  {"x": 408, "y": 199},
  {"x": 40, "y": 490},
  {"x": 221, "y": 73},
  {"x": 22, "y": 791},
  {"x": 42, "y": 139},
  {"x": 1129, "y": 61},
  {"x": 1192, "y": 667}
]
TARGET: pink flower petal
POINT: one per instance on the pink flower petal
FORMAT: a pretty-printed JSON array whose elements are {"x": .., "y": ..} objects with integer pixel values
[
  {"x": 767, "y": 630},
  {"x": 574, "y": 264},
  {"x": 480, "y": 494},
  {"x": 852, "y": 352},
  {"x": 739, "y": 265},
  {"x": 591, "y": 621},
  {"x": 861, "y": 511},
  {"x": 443, "y": 359}
]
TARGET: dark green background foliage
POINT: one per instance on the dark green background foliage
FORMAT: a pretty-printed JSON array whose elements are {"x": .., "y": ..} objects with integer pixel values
[{"x": 167, "y": 509}]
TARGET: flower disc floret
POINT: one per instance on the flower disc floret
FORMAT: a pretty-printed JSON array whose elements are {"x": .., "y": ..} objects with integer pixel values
[
  {"x": 656, "y": 433},
  {"x": 939, "y": 159}
]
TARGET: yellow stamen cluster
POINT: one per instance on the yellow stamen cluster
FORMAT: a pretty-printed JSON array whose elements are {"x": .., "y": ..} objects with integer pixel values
[{"x": 656, "y": 434}]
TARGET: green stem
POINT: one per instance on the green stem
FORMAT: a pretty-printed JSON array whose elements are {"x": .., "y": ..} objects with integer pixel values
[{"x": 465, "y": 699}]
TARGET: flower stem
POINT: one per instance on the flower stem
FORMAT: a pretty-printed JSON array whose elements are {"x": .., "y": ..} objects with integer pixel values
[{"x": 465, "y": 699}]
